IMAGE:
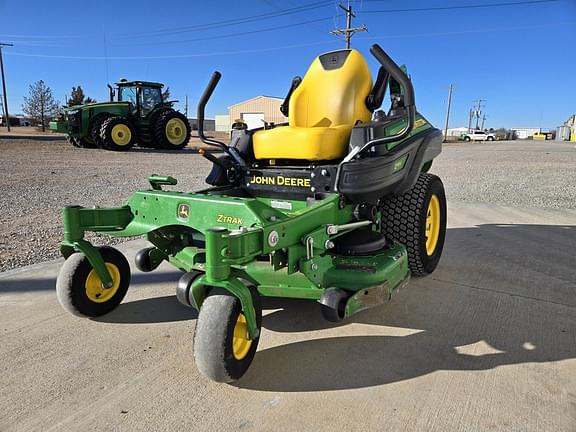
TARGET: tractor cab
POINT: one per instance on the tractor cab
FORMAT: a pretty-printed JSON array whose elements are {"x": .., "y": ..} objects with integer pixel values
[{"x": 143, "y": 96}]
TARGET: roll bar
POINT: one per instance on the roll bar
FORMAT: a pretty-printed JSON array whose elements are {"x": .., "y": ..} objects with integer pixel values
[
  {"x": 202, "y": 106},
  {"x": 409, "y": 102}
]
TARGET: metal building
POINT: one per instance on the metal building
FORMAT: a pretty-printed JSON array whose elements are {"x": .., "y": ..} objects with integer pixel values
[{"x": 257, "y": 110}]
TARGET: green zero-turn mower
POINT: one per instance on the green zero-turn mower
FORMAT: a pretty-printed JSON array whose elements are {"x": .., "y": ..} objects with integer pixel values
[{"x": 335, "y": 206}]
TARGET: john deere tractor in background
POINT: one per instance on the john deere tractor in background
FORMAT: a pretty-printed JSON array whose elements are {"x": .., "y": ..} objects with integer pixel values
[{"x": 138, "y": 116}]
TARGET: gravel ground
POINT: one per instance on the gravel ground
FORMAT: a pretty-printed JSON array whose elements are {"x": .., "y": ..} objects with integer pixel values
[{"x": 40, "y": 177}]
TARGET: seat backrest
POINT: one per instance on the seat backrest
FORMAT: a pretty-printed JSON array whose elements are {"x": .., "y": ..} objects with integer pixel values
[{"x": 333, "y": 92}]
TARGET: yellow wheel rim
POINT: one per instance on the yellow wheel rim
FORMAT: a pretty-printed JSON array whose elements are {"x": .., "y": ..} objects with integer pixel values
[
  {"x": 240, "y": 342},
  {"x": 121, "y": 134},
  {"x": 432, "y": 225},
  {"x": 94, "y": 289},
  {"x": 176, "y": 131}
]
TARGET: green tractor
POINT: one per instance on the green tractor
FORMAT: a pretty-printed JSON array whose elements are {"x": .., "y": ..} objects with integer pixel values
[
  {"x": 336, "y": 206},
  {"x": 138, "y": 116}
]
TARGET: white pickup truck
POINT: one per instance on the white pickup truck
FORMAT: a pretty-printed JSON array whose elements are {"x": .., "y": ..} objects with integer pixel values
[{"x": 477, "y": 135}]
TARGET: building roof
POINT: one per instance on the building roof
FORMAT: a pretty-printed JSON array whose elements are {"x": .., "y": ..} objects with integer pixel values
[{"x": 254, "y": 98}]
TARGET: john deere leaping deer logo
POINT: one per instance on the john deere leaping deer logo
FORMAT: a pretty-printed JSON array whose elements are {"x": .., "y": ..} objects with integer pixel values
[{"x": 183, "y": 211}]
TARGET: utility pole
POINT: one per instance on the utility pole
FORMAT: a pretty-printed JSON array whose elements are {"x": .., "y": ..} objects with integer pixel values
[
  {"x": 348, "y": 32},
  {"x": 6, "y": 116},
  {"x": 448, "y": 111},
  {"x": 483, "y": 120},
  {"x": 478, "y": 110},
  {"x": 186, "y": 107},
  {"x": 470, "y": 115},
  {"x": 1, "y": 108}
]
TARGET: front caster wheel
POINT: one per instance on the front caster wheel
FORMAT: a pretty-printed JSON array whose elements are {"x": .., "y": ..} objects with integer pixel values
[
  {"x": 333, "y": 304},
  {"x": 222, "y": 349},
  {"x": 80, "y": 290},
  {"x": 144, "y": 262}
]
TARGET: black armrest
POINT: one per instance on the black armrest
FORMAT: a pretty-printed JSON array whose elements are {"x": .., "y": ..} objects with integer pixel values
[{"x": 295, "y": 83}]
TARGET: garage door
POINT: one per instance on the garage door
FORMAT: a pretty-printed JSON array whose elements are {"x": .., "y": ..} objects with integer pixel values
[{"x": 253, "y": 120}]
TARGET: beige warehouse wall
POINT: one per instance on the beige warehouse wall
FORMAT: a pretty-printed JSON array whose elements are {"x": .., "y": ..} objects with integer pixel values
[{"x": 267, "y": 105}]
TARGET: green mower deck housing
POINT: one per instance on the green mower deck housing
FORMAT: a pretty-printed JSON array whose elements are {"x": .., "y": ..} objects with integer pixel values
[
  {"x": 346, "y": 232},
  {"x": 140, "y": 114}
]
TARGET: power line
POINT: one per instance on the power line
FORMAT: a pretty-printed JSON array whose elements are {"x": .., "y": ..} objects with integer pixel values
[
  {"x": 177, "y": 56},
  {"x": 229, "y": 22},
  {"x": 45, "y": 39},
  {"x": 462, "y": 7},
  {"x": 184, "y": 29},
  {"x": 279, "y": 48},
  {"x": 229, "y": 35}
]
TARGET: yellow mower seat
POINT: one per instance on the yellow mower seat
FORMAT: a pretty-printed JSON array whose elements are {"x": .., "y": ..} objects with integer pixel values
[{"x": 322, "y": 111}]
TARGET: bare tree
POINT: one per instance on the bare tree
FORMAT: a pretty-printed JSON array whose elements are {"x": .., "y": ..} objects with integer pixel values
[{"x": 40, "y": 105}]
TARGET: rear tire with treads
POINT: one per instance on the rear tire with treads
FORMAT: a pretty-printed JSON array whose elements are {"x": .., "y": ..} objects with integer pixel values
[
  {"x": 417, "y": 219},
  {"x": 171, "y": 131}
]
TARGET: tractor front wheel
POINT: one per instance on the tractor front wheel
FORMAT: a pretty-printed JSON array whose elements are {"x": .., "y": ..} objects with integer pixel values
[
  {"x": 117, "y": 134},
  {"x": 72, "y": 141},
  {"x": 85, "y": 143},
  {"x": 222, "y": 348},
  {"x": 80, "y": 290},
  {"x": 417, "y": 219},
  {"x": 171, "y": 131},
  {"x": 95, "y": 130}
]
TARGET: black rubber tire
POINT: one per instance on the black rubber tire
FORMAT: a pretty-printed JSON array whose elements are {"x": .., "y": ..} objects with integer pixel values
[
  {"x": 142, "y": 260},
  {"x": 72, "y": 141},
  {"x": 95, "y": 130},
  {"x": 489, "y": 139},
  {"x": 71, "y": 288},
  {"x": 106, "y": 134},
  {"x": 153, "y": 120},
  {"x": 161, "y": 140},
  {"x": 184, "y": 287},
  {"x": 213, "y": 337},
  {"x": 333, "y": 307},
  {"x": 404, "y": 220},
  {"x": 85, "y": 143},
  {"x": 467, "y": 139}
]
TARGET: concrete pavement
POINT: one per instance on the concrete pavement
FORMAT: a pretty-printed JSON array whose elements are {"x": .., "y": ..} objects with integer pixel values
[{"x": 488, "y": 342}]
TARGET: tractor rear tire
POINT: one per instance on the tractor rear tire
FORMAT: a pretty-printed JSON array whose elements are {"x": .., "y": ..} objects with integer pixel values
[
  {"x": 153, "y": 121},
  {"x": 221, "y": 349},
  {"x": 171, "y": 131},
  {"x": 417, "y": 219},
  {"x": 79, "y": 289},
  {"x": 117, "y": 134}
]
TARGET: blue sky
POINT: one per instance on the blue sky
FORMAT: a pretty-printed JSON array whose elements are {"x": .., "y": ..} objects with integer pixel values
[{"x": 520, "y": 58}]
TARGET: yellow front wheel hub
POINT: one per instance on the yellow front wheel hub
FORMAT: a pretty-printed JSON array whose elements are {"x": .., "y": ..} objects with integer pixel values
[
  {"x": 95, "y": 291},
  {"x": 176, "y": 131},
  {"x": 121, "y": 134},
  {"x": 432, "y": 225},
  {"x": 240, "y": 342}
]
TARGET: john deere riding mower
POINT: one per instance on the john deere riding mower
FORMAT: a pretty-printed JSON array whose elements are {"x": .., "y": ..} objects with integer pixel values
[
  {"x": 335, "y": 206},
  {"x": 139, "y": 116}
]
